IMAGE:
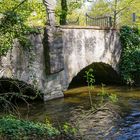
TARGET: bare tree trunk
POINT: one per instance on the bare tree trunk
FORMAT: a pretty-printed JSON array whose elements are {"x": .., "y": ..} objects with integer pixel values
[
  {"x": 50, "y": 8},
  {"x": 115, "y": 14}
]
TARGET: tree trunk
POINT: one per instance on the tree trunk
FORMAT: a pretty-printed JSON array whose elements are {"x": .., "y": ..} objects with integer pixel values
[
  {"x": 63, "y": 16},
  {"x": 50, "y": 8},
  {"x": 115, "y": 14}
]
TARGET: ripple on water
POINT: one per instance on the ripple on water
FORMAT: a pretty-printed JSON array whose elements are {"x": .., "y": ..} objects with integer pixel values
[{"x": 103, "y": 125}]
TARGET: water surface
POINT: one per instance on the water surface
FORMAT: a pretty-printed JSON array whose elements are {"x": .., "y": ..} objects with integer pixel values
[{"x": 120, "y": 121}]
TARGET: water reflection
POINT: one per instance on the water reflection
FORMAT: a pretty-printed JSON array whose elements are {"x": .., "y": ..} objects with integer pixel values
[{"x": 119, "y": 121}]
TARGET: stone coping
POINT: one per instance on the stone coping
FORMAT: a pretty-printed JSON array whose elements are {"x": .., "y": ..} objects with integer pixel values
[{"x": 86, "y": 27}]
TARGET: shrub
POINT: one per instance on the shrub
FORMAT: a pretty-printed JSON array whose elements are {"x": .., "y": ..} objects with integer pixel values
[
  {"x": 130, "y": 58},
  {"x": 17, "y": 20},
  {"x": 13, "y": 128}
]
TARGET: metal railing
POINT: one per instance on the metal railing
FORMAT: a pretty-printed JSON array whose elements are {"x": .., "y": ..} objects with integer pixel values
[{"x": 105, "y": 21}]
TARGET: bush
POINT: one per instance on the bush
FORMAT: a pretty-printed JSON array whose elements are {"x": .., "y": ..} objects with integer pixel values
[
  {"x": 17, "y": 20},
  {"x": 130, "y": 58},
  {"x": 12, "y": 128},
  {"x": 15, "y": 129}
]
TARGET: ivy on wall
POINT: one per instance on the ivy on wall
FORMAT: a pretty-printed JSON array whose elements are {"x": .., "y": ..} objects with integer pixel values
[
  {"x": 17, "y": 20},
  {"x": 130, "y": 59}
]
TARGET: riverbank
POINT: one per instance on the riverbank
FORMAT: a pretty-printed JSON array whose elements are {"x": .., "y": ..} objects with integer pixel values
[{"x": 12, "y": 128}]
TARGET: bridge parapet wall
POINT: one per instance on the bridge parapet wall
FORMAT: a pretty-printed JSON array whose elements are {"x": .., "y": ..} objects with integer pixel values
[{"x": 83, "y": 46}]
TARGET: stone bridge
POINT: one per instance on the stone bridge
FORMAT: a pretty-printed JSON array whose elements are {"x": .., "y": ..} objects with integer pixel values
[{"x": 51, "y": 66}]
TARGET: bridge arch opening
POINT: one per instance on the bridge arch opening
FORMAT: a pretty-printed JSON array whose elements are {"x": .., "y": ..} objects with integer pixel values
[
  {"x": 102, "y": 72},
  {"x": 16, "y": 88}
]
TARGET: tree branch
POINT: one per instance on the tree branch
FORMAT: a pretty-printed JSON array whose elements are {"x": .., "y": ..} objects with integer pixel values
[
  {"x": 125, "y": 7},
  {"x": 16, "y": 7}
]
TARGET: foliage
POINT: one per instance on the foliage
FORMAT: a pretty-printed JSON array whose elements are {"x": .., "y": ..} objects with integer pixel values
[
  {"x": 15, "y": 129},
  {"x": 120, "y": 10},
  {"x": 90, "y": 78},
  {"x": 126, "y": 15},
  {"x": 68, "y": 131},
  {"x": 17, "y": 21},
  {"x": 110, "y": 96},
  {"x": 113, "y": 97},
  {"x": 11, "y": 27},
  {"x": 105, "y": 96},
  {"x": 130, "y": 59},
  {"x": 100, "y": 8},
  {"x": 90, "y": 81},
  {"x": 72, "y": 12}
]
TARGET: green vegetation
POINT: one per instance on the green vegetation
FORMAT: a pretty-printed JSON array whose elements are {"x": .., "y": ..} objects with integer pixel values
[
  {"x": 18, "y": 129},
  {"x": 120, "y": 10},
  {"x": 130, "y": 59},
  {"x": 67, "y": 11},
  {"x": 69, "y": 131},
  {"x": 15, "y": 129},
  {"x": 90, "y": 81},
  {"x": 12, "y": 128},
  {"x": 104, "y": 95},
  {"x": 18, "y": 20}
]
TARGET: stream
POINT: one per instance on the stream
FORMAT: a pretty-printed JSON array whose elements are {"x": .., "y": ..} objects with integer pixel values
[{"x": 117, "y": 121}]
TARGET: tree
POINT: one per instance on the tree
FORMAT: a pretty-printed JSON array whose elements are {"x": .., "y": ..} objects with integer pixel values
[
  {"x": 126, "y": 17},
  {"x": 100, "y": 8},
  {"x": 50, "y": 8},
  {"x": 67, "y": 10},
  {"x": 118, "y": 8},
  {"x": 64, "y": 12},
  {"x": 115, "y": 8},
  {"x": 17, "y": 20}
]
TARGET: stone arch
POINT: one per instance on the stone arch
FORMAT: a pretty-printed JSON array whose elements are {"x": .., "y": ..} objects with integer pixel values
[
  {"x": 53, "y": 67},
  {"x": 84, "y": 46},
  {"x": 9, "y": 85},
  {"x": 103, "y": 73}
]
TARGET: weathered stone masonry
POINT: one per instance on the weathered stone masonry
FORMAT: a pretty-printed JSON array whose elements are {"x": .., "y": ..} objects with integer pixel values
[{"x": 51, "y": 65}]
